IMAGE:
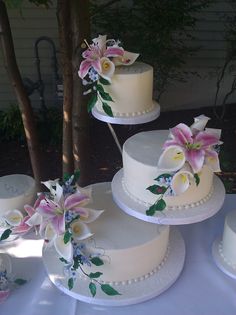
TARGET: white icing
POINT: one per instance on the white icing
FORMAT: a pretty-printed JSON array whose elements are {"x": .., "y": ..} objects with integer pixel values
[
  {"x": 228, "y": 247},
  {"x": 16, "y": 190},
  {"x": 131, "y": 248},
  {"x": 131, "y": 90},
  {"x": 140, "y": 157}
]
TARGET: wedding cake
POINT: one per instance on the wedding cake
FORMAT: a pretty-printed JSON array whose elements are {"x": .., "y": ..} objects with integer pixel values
[
  {"x": 173, "y": 168},
  {"x": 119, "y": 86},
  {"x": 228, "y": 246}
]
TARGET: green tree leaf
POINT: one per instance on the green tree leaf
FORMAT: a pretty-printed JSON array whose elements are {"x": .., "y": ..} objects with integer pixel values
[
  {"x": 70, "y": 283},
  {"x": 151, "y": 211},
  {"x": 106, "y": 96},
  {"x": 20, "y": 281},
  {"x": 92, "y": 102},
  {"x": 107, "y": 109},
  {"x": 5, "y": 234},
  {"x": 97, "y": 261},
  {"x": 92, "y": 288},
  {"x": 104, "y": 81},
  {"x": 197, "y": 179},
  {"x": 106, "y": 288},
  {"x": 157, "y": 190},
  {"x": 93, "y": 275},
  {"x": 67, "y": 237}
]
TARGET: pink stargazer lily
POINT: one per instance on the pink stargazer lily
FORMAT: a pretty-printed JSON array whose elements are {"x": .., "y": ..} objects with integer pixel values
[
  {"x": 53, "y": 211},
  {"x": 95, "y": 52},
  {"x": 197, "y": 147},
  {"x": 25, "y": 225}
]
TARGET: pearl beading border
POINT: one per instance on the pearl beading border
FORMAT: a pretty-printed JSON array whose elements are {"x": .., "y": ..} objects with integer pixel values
[
  {"x": 186, "y": 206},
  {"x": 134, "y": 280},
  {"x": 229, "y": 263}
]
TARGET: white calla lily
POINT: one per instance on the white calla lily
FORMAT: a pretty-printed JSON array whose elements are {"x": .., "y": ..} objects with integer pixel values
[
  {"x": 91, "y": 216},
  {"x": 181, "y": 181},
  {"x": 64, "y": 250},
  {"x": 13, "y": 217},
  {"x": 80, "y": 231},
  {"x": 172, "y": 159},
  {"x": 35, "y": 219},
  {"x": 127, "y": 59},
  {"x": 199, "y": 123},
  {"x": 51, "y": 185},
  {"x": 49, "y": 233},
  {"x": 107, "y": 68}
]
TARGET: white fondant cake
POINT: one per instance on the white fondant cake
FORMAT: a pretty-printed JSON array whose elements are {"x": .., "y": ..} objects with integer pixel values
[
  {"x": 131, "y": 90},
  {"x": 131, "y": 249},
  {"x": 16, "y": 190},
  {"x": 141, "y": 153},
  {"x": 228, "y": 249}
]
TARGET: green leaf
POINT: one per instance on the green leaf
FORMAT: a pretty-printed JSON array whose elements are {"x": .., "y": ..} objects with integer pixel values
[
  {"x": 63, "y": 260},
  {"x": 70, "y": 283},
  {"x": 76, "y": 262},
  {"x": 97, "y": 261},
  {"x": 66, "y": 177},
  {"x": 163, "y": 176},
  {"x": 92, "y": 288},
  {"x": 93, "y": 275},
  {"x": 104, "y": 81},
  {"x": 92, "y": 102},
  {"x": 107, "y": 109},
  {"x": 20, "y": 281},
  {"x": 157, "y": 190},
  {"x": 5, "y": 234},
  {"x": 106, "y": 288},
  {"x": 197, "y": 179},
  {"x": 106, "y": 96},
  {"x": 67, "y": 237},
  {"x": 158, "y": 206}
]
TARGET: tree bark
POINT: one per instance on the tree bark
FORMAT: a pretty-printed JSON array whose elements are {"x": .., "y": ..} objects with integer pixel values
[
  {"x": 64, "y": 28},
  {"x": 80, "y": 25},
  {"x": 21, "y": 95}
]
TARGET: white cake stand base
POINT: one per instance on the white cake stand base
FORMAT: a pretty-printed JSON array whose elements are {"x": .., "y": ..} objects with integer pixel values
[
  {"x": 129, "y": 120},
  {"x": 168, "y": 216},
  {"x": 220, "y": 261},
  {"x": 133, "y": 293}
]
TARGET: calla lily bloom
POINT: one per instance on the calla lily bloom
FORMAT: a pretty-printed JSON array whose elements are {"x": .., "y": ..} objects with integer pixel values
[
  {"x": 196, "y": 147},
  {"x": 127, "y": 59},
  {"x": 107, "y": 68},
  {"x": 181, "y": 181},
  {"x": 13, "y": 217},
  {"x": 64, "y": 250},
  {"x": 172, "y": 158}
]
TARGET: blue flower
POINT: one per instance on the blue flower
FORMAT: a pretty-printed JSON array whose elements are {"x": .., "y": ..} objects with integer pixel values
[{"x": 93, "y": 75}]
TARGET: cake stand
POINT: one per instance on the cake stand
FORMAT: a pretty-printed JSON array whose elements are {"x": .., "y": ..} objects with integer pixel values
[
  {"x": 219, "y": 259},
  {"x": 126, "y": 120},
  {"x": 184, "y": 215},
  {"x": 131, "y": 293}
]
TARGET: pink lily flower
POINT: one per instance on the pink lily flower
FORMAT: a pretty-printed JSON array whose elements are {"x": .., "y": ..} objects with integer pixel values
[
  {"x": 196, "y": 147},
  {"x": 25, "y": 225},
  {"x": 4, "y": 294},
  {"x": 95, "y": 52},
  {"x": 53, "y": 211}
]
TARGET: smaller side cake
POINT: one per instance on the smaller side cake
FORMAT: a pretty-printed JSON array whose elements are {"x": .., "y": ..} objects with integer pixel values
[{"x": 228, "y": 246}]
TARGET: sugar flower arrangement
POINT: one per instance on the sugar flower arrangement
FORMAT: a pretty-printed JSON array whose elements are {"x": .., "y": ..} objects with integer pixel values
[
  {"x": 61, "y": 217},
  {"x": 97, "y": 69},
  {"x": 183, "y": 157}
]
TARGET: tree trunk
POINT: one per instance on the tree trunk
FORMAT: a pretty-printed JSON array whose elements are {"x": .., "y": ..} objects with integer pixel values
[
  {"x": 22, "y": 97},
  {"x": 80, "y": 25},
  {"x": 63, "y": 17}
]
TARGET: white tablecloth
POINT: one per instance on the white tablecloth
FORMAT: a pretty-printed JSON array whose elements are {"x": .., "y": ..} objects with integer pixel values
[{"x": 201, "y": 289}]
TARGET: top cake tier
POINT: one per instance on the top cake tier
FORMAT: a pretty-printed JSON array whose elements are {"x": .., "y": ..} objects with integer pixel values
[{"x": 131, "y": 90}]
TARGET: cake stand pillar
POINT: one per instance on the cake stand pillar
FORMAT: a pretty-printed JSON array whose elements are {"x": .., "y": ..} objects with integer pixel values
[{"x": 113, "y": 133}]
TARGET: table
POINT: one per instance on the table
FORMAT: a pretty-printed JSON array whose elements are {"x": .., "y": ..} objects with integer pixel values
[{"x": 201, "y": 289}]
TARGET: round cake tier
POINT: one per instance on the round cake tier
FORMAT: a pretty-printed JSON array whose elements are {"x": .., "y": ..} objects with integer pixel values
[
  {"x": 117, "y": 232},
  {"x": 141, "y": 153},
  {"x": 131, "y": 90},
  {"x": 170, "y": 215}
]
